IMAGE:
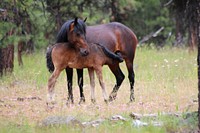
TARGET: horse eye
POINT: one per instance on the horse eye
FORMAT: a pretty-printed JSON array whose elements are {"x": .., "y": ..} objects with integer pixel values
[{"x": 78, "y": 34}]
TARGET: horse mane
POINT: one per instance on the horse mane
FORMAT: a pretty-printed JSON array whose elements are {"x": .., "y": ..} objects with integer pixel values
[{"x": 62, "y": 35}]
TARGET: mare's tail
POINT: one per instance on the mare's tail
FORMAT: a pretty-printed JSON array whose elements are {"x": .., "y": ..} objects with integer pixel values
[
  {"x": 110, "y": 54},
  {"x": 49, "y": 62}
]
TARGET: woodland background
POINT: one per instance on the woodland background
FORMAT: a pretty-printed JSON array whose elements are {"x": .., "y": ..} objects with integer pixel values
[{"x": 33, "y": 24}]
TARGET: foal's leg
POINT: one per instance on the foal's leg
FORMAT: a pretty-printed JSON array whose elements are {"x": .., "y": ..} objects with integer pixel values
[
  {"x": 69, "y": 72},
  {"x": 119, "y": 76},
  {"x": 51, "y": 85},
  {"x": 131, "y": 76},
  {"x": 100, "y": 77},
  {"x": 92, "y": 84},
  {"x": 80, "y": 84}
]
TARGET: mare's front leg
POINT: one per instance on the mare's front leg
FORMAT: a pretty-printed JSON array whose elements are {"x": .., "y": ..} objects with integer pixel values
[
  {"x": 80, "y": 84},
  {"x": 100, "y": 77},
  {"x": 51, "y": 84},
  {"x": 69, "y": 72},
  {"x": 92, "y": 84}
]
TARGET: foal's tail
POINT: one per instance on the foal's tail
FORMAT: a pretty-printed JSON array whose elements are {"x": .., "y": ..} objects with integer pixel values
[
  {"x": 49, "y": 62},
  {"x": 110, "y": 54}
]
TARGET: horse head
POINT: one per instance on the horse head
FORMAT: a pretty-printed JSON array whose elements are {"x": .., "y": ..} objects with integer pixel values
[{"x": 77, "y": 36}]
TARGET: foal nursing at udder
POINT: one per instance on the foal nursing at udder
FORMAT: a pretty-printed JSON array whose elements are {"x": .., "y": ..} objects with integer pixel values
[{"x": 63, "y": 55}]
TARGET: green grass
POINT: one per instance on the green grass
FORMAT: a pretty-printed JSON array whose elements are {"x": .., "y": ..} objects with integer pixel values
[
  {"x": 166, "y": 81},
  {"x": 170, "y": 124}
]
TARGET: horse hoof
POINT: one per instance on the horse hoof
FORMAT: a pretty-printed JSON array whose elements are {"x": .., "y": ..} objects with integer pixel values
[
  {"x": 69, "y": 101},
  {"x": 132, "y": 98},
  {"x": 93, "y": 101},
  {"x": 112, "y": 98},
  {"x": 82, "y": 100},
  {"x": 51, "y": 104},
  {"x": 106, "y": 101}
]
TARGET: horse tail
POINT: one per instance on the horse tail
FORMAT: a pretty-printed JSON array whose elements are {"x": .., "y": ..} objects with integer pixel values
[
  {"x": 110, "y": 54},
  {"x": 49, "y": 62}
]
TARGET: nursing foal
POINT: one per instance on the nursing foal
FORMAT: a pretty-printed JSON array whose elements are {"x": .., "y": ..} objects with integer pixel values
[{"x": 63, "y": 55}]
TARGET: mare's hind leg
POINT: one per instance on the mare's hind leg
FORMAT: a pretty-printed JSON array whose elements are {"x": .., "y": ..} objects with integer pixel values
[
  {"x": 92, "y": 84},
  {"x": 69, "y": 72},
  {"x": 80, "y": 84},
  {"x": 131, "y": 76},
  {"x": 119, "y": 79},
  {"x": 100, "y": 77},
  {"x": 51, "y": 85}
]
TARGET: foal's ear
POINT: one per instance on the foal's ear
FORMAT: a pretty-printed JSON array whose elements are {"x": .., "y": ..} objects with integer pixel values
[
  {"x": 85, "y": 20},
  {"x": 76, "y": 21}
]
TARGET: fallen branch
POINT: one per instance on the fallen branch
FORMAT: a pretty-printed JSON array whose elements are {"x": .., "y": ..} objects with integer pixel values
[{"x": 151, "y": 35}]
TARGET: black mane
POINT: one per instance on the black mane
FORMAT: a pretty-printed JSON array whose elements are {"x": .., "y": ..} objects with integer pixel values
[{"x": 80, "y": 28}]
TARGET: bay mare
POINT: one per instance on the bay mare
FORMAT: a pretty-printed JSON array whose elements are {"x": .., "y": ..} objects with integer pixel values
[
  {"x": 62, "y": 55},
  {"x": 119, "y": 39}
]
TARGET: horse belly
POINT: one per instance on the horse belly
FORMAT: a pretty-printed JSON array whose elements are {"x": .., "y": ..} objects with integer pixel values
[
  {"x": 79, "y": 63},
  {"x": 75, "y": 65}
]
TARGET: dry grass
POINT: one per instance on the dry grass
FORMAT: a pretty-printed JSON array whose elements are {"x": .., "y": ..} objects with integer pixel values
[{"x": 166, "y": 81}]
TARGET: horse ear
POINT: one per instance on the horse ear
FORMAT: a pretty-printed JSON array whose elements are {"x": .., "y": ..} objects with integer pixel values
[
  {"x": 76, "y": 21},
  {"x": 85, "y": 20},
  {"x": 72, "y": 27}
]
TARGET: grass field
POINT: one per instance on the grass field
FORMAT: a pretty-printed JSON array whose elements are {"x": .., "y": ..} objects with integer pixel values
[{"x": 166, "y": 81}]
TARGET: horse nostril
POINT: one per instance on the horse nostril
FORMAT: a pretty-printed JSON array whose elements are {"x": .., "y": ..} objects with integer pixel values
[{"x": 86, "y": 52}]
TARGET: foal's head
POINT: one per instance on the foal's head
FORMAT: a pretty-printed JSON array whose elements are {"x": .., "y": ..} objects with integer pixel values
[{"x": 77, "y": 36}]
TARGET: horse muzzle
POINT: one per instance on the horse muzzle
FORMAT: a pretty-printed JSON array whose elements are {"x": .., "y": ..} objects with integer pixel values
[{"x": 84, "y": 52}]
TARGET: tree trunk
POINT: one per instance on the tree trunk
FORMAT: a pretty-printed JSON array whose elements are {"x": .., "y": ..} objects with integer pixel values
[
  {"x": 58, "y": 22},
  {"x": 20, "y": 49},
  {"x": 192, "y": 38},
  {"x": 6, "y": 59},
  {"x": 30, "y": 44},
  {"x": 1, "y": 62},
  {"x": 115, "y": 16},
  {"x": 179, "y": 30},
  {"x": 198, "y": 62},
  {"x": 198, "y": 56},
  {"x": 58, "y": 17}
]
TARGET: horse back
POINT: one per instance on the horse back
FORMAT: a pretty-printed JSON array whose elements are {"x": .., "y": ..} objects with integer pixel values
[{"x": 115, "y": 36}]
